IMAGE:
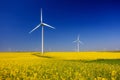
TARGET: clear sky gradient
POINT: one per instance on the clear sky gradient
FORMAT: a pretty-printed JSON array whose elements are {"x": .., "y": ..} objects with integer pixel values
[{"x": 96, "y": 21}]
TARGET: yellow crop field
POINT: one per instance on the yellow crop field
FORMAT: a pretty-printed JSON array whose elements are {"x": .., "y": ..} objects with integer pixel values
[{"x": 60, "y": 66}]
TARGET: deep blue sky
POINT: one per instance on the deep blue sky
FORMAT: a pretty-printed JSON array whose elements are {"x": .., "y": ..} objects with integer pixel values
[{"x": 96, "y": 21}]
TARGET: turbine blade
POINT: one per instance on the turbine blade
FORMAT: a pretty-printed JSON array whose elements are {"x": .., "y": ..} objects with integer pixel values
[
  {"x": 81, "y": 42},
  {"x": 41, "y": 15},
  {"x": 78, "y": 41},
  {"x": 75, "y": 41},
  {"x": 48, "y": 25},
  {"x": 35, "y": 28},
  {"x": 78, "y": 38}
]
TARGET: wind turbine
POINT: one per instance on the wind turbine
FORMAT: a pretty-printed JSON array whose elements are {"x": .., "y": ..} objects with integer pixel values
[
  {"x": 78, "y": 43},
  {"x": 42, "y": 26}
]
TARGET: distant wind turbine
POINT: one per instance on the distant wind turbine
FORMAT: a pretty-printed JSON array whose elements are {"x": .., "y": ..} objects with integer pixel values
[
  {"x": 78, "y": 43},
  {"x": 42, "y": 26}
]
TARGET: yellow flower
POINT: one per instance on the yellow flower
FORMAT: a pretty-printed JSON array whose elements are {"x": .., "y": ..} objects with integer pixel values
[{"x": 113, "y": 73}]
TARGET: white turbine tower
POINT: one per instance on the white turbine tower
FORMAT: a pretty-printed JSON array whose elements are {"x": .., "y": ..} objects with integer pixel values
[
  {"x": 42, "y": 26},
  {"x": 78, "y": 43}
]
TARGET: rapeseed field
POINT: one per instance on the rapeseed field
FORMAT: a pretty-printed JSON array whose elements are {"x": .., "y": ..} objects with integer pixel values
[{"x": 60, "y": 66}]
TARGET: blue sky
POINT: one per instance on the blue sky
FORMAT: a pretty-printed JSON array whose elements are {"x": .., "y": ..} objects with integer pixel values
[{"x": 96, "y": 21}]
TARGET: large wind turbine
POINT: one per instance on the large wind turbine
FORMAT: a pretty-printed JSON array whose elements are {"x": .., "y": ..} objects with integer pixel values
[
  {"x": 42, "y": 26},
  {"x": 78, "y": 43}
]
